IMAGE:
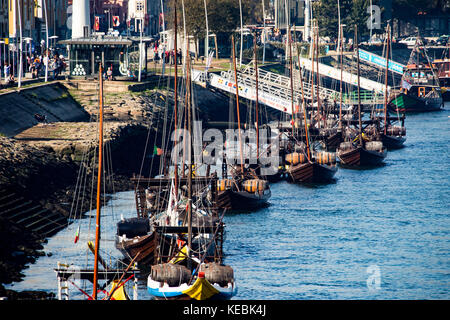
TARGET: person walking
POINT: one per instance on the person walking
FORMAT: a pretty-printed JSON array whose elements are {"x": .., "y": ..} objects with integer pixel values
[
  {"x": 7, "y": 73},
  {"x": 180, "y": 55}
]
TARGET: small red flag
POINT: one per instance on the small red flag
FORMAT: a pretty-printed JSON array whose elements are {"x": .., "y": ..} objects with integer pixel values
[{"x": 97, "y": 23}]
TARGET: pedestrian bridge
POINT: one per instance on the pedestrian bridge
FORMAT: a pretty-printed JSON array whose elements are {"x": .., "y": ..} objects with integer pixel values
[{"x": 274, "y": 90}]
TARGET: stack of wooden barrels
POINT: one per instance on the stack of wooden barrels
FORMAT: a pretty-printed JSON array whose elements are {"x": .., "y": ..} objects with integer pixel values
[
  {"x": 396, "y": 131},
  {"x": 295, "y": 158},
  {"x": 254, "y": 185},
  {"x": 224, "y": 184},
  {"x": 323, "y": 157},
  {"x": 374, "y": 145}
]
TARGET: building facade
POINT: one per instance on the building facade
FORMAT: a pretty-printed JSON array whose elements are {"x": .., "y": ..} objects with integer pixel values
[
  {"x": 4, "y": 28},
  {"x": 32, "y": 15}
]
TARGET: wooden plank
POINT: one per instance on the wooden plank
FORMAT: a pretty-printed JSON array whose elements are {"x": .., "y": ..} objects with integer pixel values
[
  {"x": 183, "y": 229},
  {"x": 88, "y": 274},
  {"x": 166, "y": 181}
]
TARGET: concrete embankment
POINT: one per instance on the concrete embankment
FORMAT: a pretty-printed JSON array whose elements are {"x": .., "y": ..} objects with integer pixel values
[{"x": 18, "y": 108}]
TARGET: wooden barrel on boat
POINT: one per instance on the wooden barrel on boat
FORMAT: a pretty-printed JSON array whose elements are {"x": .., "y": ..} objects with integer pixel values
[
  {"x": 374, "y": 145},
  {"x": 173, "y": 274},
  {"x": 254, "y": 185},
  {"x": 323, "y": 157},
  {"x": 223, "y": 184},
  {"x": 396, "y": 131},
  {"x": 295, "y": 158},
  {"x": 217, "y": 273},
  {"x": 345, "y": 145}
]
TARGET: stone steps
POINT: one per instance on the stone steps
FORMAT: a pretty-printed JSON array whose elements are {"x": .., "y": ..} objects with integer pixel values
[{"x": 18, "y": 210}]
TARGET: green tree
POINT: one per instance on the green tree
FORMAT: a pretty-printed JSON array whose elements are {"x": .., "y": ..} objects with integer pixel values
[
  {"x": 326, "y": 13},
  {"x": 359, "y": 16}
]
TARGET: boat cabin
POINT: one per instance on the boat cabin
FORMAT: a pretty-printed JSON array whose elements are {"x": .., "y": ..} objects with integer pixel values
[
  {"x": 443, "y": 71},
  {"x": 420, "y": 74}
]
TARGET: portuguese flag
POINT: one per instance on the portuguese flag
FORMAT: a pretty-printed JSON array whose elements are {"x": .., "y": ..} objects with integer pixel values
[
  {"x": 77, "y": 235},
  {"x": 157, "y": 151}
]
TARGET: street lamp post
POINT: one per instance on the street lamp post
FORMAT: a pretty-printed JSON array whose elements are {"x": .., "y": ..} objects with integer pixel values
[
  {"x": 242, "y": 36},
  {"x": 140, "y": 50},
  {"x": 1, "y": 43},
  {"x": 20, "y": 70},
  {"x": 46, "y": 40},
  {"x": 287, "y": 28},
  {"x": 163, "y": 58},
  {"x": 207, "y": 32},
  {"x": 264, "y": 33},
  {"x": 339, "y": 27}
]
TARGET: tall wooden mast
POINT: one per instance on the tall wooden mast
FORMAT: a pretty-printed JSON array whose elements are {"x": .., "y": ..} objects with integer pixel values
[
  {"x": 305, "y": 114},
  {"x": 292, "y": 79},
  {"x": 341, "y": 60},
  {"x": 189, "y": 117},
  {"x": 359, "y": 97},
  {"x": 257, "y": 98},
  {"x": 237, "y": 103},
  {"x": 175, "y": 107},
  {"x": 99, "y": 182},
  {"x": 319, "y": 110},
  {"x": 388, "y": 39}
]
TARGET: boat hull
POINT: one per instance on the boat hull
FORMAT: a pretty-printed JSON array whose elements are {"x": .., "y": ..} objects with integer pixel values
[
  {"x": 206, "y": 291},
  {"x": 144, "y": 245},
  {"x": 361, "y": 157},
  {"x": 393, "y": 142},
  {"x": 278, "y": 176},
  {"x": 241, "y": 200},
  {"x": 404, "y": 103},
  {"x": 312, "y": 172},
  {"x": 445, "y": 94}
]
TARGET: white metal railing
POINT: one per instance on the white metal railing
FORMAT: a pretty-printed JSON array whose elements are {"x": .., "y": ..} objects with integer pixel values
[{"x": 278, "y": 85}]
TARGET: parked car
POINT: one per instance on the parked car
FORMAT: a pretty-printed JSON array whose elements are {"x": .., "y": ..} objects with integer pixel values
[
  {"x": 442, "y": 40},
  {"x": 410, "y": 41}
]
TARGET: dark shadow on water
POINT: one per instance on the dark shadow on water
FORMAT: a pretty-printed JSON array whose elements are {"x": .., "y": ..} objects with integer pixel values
[
  {"x": 248, "y": 210},
  {"x": 315, "y": 184},
  {"x": 362, "y": 168}
]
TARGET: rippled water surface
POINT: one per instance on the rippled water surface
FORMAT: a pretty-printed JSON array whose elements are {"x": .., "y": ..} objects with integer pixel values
[{"x": 389, "y": 224}]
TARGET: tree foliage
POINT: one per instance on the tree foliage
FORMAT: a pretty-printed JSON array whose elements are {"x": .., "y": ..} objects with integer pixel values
[
  {"x": 326, "y": 13},
  {"x": 223, "y": 15},
  {"x": 355, "y": 12}
]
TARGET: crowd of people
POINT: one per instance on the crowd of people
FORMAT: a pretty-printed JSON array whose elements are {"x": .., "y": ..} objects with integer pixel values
[
  {"x": 36, "y": 65},
  {"x": 167, "y": 56}
]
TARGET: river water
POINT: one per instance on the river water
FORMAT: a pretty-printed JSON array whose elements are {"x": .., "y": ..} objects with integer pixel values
[{"x": 382, "y": 233}]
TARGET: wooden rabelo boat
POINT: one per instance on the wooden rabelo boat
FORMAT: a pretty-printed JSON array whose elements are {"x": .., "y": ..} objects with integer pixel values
[
  {"x": 304, "y": 164},
  {"x": 244, "y": 189},
  {"x": 184, "y": 236},
  {"x": 358, "y": 152},
  {"x": 194, "y": 267},
  {"x": 393, "y": 136}
]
